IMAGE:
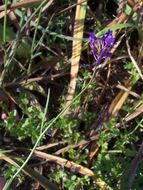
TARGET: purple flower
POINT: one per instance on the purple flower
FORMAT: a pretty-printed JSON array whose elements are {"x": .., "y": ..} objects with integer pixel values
[
  {"x": 101, "y": 46},
  {"x": 49, "y": 132}
]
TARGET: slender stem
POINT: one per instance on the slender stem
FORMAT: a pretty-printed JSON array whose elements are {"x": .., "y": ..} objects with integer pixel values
[{"x": 5, "y": 21}]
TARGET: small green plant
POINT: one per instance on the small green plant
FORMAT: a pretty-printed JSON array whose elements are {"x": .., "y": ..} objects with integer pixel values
[
  {"x": 70, "y": 181},
  {"x": 29, "y": 125}
]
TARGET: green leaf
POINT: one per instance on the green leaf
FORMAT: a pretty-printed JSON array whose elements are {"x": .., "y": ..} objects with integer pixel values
[
  {"x": 24, "y": 49},
  {"x": 10, "y": 35}
]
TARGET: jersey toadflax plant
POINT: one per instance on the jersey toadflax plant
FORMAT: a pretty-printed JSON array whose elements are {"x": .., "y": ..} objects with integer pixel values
[{"x": 101, "y": 46}]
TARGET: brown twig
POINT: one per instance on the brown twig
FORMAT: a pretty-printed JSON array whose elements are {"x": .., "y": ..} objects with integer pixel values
[{"x": 21, "y": 4}]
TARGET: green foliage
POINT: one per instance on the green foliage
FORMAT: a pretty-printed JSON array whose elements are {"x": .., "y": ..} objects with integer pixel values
[
  {"x": 29, "y": 125},
  {"x": 131, "y": 68},
  {"x": 70, "y": 181},
  {"x": 10, "y": 35},
  {"x": 69, "y": 128},
  {"x": 10, "y": 171},
  {"x": 25, "y": 128},
  {"x": 113, "y": 162},
  {"x": 24, "y": 49}
]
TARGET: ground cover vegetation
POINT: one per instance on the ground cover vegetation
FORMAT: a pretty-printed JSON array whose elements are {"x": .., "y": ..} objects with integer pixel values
[{"x": 71, "y": 98}]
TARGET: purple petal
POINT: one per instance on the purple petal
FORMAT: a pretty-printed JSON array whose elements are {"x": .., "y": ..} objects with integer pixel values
[
  {"x": 92, "y": 37},
  {"x": 109, "y": 39},
  {"x": 94, "y": 51},
  {"x": 108, "y": 54},
  {"x": 49, "y": 132},
  {"x": 2, "y": 183},
  {"x": 103, "y": 55}
]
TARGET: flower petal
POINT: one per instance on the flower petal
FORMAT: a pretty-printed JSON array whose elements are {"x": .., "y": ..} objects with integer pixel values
[
  {"x": 92, "y": 37},
  {"x": 109, "y": 39},
  {"x": 2, "y": 183}
]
